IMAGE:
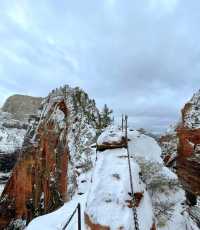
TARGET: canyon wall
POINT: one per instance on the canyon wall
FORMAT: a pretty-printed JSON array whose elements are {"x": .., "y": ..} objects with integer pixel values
[
  {"x": 188, "y": 160},
  {"x": 38, "y": 183}
]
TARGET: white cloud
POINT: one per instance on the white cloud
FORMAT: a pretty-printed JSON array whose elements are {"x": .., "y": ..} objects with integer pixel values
[
  {"x": 164, "y": 5},
  {"x": 139, "y": 57},
  {"x": 18, "y": 13}
]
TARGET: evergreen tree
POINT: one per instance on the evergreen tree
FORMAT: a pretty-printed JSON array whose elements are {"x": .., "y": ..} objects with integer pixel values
[{"x": 106, "y": 119}]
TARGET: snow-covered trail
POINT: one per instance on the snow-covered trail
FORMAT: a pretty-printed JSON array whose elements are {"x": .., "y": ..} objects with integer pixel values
[
  {"x": 106, "y": 189},
  {"x": 106, "y": 196},
  {"x": 57, "y": 220}
]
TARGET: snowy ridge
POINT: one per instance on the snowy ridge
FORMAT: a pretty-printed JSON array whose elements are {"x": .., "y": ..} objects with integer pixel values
[
  {"x": 106, "y": 202},
  {"x": 82, "y": 120},
  {"x": 103, "y": 191},
  {"x": 191, "y": 117}
]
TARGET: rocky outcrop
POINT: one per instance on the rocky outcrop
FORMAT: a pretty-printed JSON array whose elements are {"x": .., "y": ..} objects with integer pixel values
[
  {"x": 111, "y": 140},
  {"x": 11, "y": 133},
  {"x": 22, "y": 106},
  {"x": 38, "y": 182},
  {"x": 110, "y": 201},
  {"x": 56, "y": 149},
  {"x": 11, "y": 139},
  {"x": 188, "y": 161},
  {"x": 13, "y": 125},
  {"x": 169, "y": 144},
  {"x": 105, "y": 194}
]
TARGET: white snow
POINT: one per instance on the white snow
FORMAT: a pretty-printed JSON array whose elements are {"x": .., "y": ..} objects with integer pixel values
[
  {"x": 58, "y": 219},
  {"x": 106, "y": 191},
  {"x": 1, "y": 188},
  {"x": 144, "y": 146},
  {"x": 110, "y": 136},
  {"x": 192, "y": 116},
  {"x": 11, "y": 133},
  {"x": 106, "y": 201}
]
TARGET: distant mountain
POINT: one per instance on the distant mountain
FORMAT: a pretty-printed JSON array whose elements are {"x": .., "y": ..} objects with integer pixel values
[
  {"x": 13, "y": 125},
  {"x": 22, "y": 106}
]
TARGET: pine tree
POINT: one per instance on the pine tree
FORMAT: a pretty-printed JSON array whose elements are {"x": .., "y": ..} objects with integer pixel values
[{"x": 106, "y": 116}]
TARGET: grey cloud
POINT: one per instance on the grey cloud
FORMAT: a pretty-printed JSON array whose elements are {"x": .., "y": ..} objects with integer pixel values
[{"x": 140, "y": 57}]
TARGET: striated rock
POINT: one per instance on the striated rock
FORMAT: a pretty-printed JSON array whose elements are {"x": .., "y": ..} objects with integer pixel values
[
  {"x": 188, "y": 161},
  {"x": 56, "y": 149},
  {"x": 21, "y": 106},
  {"x": 38, "y": 183}
]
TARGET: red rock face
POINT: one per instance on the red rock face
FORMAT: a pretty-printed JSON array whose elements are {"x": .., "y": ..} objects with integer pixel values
[
  {"x": 93, "y": 226},
  {"x": 188, "y": 160},
  {"x": 38, "y": 183}
]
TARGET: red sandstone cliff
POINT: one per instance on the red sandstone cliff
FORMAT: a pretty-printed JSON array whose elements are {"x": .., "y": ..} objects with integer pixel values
[
  {"x": 188, "y": 161},
  {"x": 56, "y": 149},
  {"x": 38, "y": 183}
]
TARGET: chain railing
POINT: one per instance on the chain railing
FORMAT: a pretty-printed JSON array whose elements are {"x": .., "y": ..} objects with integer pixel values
[{"x": 77, "y": 209}]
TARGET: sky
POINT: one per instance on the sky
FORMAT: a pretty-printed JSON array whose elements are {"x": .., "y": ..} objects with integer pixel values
[{"x": 140, "y": 57}]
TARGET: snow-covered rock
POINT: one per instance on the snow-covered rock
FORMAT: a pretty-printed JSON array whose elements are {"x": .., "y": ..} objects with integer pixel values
[
  {"x": 191, "y": 112},
  {"x": 11, "y": 133},
  {"x": 106, "y": 187},
  {"x": 109, "y": 192},
  {"x": 110, "y": 136},
  {"x": 56, "y": 150},
  {"x": 169, "y": 146},
  {"x": 21, "y": 106},
  {"x": 188, "y": 160}
]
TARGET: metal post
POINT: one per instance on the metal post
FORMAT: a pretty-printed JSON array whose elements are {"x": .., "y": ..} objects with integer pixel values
[
  {"x": 122, "y": 122},
  {"x": 126, "y": 129},
  {"x": 79, "y": 216}
]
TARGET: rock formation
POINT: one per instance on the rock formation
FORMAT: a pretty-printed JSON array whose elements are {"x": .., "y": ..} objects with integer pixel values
[
  {"x": 13, "y": 125},
  {"x": 11, "y": 139},
  {"x": 56, "y": 149},
  {"x": 169, "y": 144},
  {"x": 105, "y": 196},
  {"x": 22, "y": 106},
  {"x": 188, "y": 161},
  {"x": 109, "y": 202},
  {"x": 38, "y": 182}
]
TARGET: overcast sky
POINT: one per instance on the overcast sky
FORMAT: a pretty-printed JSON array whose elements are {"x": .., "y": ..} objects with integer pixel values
[{"x": 141, "y": 57}]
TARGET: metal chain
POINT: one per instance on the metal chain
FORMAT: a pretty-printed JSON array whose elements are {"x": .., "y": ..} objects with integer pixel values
[{"x": 135, "y": 216}]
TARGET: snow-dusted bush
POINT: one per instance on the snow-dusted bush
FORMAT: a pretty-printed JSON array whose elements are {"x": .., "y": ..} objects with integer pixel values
[
  {"x": 18, "y": 224},
  {"x": 153, "y": 176},
  {"x": 158, "y": 184}
]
